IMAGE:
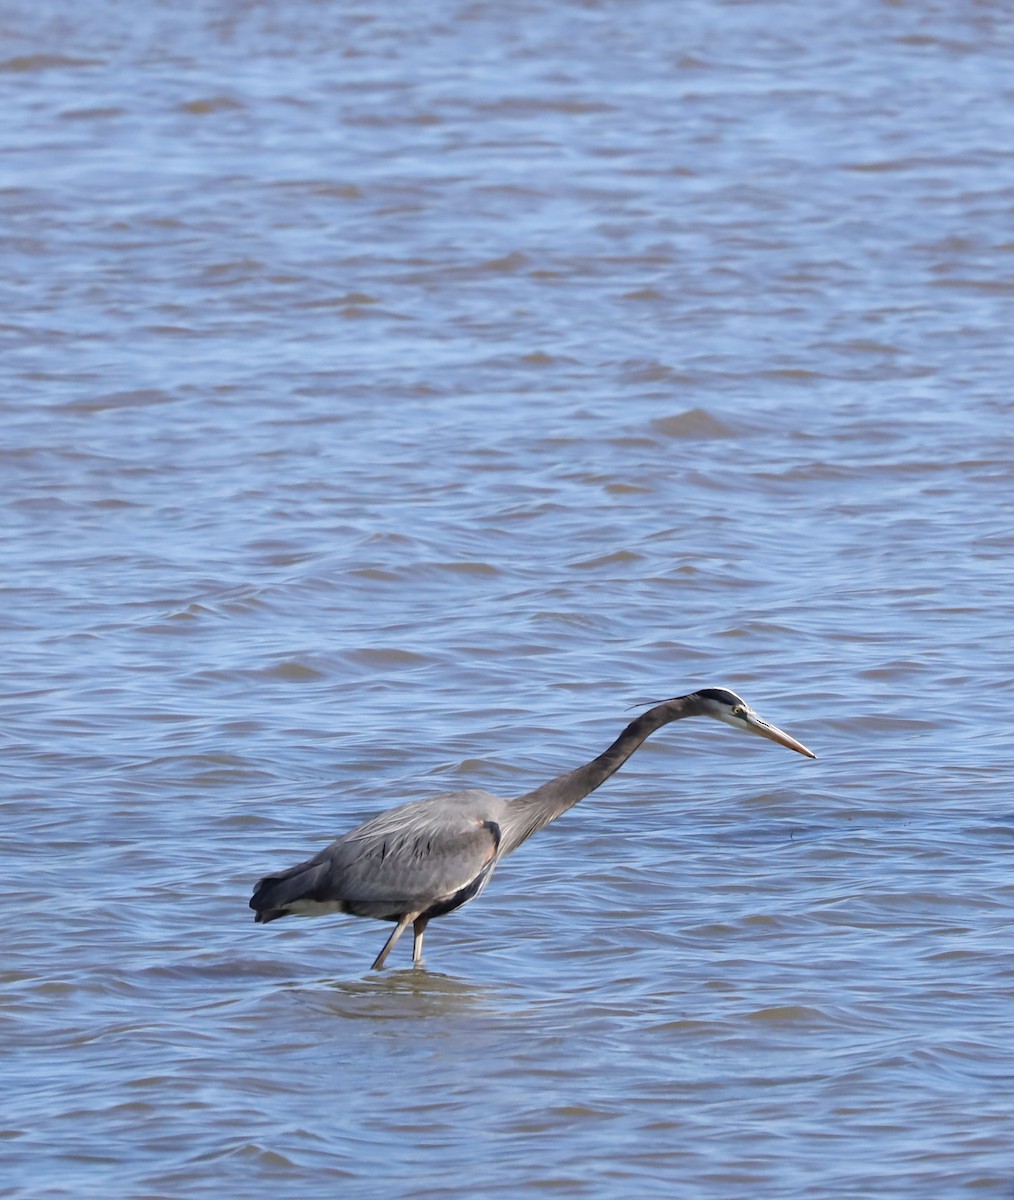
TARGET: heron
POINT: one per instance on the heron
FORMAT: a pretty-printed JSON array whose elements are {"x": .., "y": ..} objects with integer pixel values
[{"x": 426, "y": 858}]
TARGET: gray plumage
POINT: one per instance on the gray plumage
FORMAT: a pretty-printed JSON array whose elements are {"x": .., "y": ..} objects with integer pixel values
[{"x": 424, "y": 859}]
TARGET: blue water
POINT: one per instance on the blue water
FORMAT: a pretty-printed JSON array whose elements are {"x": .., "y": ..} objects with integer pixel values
[{"x": 394, "y": 397}]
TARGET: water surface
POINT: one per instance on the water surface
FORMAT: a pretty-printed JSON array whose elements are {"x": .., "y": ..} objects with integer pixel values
[{"x": 394, "y": 394}]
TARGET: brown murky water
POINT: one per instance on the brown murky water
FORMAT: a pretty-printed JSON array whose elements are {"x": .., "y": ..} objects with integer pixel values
[{"x": 393, "y": 394}]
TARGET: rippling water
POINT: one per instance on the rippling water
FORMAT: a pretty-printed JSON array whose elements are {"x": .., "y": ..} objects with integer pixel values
[{"x": 394, "y": 394}]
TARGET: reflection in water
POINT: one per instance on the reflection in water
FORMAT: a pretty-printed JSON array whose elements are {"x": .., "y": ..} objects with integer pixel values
[{"x": 408, "y": 994}]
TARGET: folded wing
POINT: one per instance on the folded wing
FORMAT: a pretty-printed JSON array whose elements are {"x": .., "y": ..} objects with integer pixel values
[{"x": 429, "y": 856}]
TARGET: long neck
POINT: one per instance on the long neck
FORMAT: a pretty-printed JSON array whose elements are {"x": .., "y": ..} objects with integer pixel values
[{"x": 533, "y": 811}]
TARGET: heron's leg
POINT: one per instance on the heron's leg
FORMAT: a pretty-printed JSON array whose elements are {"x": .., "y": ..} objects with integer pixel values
[
  {"x": 418, "y": 928},
  {"x": 399, "y": 929}
]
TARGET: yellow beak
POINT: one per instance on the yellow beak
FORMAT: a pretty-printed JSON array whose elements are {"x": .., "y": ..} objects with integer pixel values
[{"x": 762, "y": 727}]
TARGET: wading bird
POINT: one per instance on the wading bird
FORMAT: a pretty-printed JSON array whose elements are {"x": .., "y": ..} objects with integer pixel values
[{"x": 425, "y": 859}]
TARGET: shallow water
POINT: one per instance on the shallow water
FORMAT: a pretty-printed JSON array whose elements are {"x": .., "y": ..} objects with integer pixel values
[{"x": 396, "y": 394}]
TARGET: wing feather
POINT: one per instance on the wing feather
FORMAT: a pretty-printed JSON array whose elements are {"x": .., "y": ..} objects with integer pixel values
[{"x": 410, "y": 858}]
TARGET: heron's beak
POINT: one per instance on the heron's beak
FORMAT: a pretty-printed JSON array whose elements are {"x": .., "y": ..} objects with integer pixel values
[{"x": 757, "y": 725}]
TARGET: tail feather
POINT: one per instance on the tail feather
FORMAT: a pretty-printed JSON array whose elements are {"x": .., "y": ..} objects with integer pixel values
[{"x": 274, "y": 893}]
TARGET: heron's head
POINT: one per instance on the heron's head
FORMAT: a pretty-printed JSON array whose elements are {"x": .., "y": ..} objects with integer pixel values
[{"x": 726, "y": 706}]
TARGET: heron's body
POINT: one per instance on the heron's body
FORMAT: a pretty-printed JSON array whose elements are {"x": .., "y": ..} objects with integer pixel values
[{"x": 425, "y": 859}]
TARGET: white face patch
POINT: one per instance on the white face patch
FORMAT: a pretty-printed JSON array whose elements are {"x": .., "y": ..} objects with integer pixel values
[{"x": 738, "y": 717}]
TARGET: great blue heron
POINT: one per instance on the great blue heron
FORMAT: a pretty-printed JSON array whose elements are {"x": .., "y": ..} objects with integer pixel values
[{"x": 425, "y": 859}]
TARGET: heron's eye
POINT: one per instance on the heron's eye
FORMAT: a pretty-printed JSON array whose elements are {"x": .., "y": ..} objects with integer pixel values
[{"x": 739, "y": 710}]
